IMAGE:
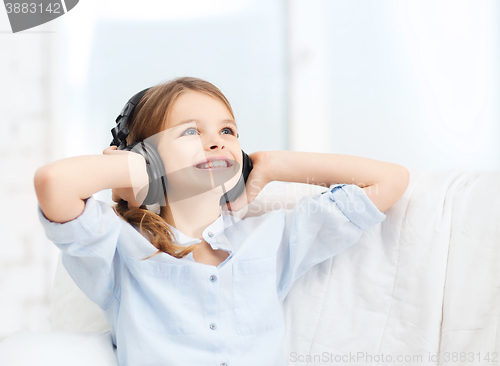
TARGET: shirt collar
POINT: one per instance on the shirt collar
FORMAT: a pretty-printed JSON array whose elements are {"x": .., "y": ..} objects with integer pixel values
[{"x": 213, "y": 234}]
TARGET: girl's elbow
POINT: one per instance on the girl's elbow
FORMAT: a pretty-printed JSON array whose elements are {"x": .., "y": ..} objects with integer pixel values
[
  {"x": 43, "y": 178},
  {"x": 404, "y": 179},
  {"x": 400, "y": 184},
  {"x": 44, "y": 183}
]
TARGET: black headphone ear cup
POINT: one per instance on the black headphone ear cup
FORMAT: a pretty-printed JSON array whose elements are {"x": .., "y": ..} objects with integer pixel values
[
  {"x": 157, "y": 188},
  {"x": 157, "y": 177},
  {"x": 247, "y": 166},
  {"x": 238, "y": 189}
]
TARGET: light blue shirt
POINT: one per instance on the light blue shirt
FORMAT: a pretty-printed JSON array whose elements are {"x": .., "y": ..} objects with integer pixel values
[{"x": 177, "y": 312}]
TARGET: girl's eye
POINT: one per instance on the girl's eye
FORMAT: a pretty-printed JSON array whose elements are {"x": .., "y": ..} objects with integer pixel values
[
  {"x": 189, "y": 129},
  {"x": 194, "y": 129},
  {"x": 230, "y": 130}
]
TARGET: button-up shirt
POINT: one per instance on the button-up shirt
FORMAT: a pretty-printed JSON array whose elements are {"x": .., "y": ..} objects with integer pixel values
[{"x": 176, "y": 312}]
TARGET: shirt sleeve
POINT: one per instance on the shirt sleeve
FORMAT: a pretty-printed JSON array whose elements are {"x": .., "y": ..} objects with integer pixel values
[
  {"x": 89, "y": 249},
  {"x": 320, "y": 227}
]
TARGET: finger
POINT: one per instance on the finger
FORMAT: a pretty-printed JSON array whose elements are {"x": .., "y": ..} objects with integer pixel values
[
  {"x": 114, "y": 196},
  {"x": 108, "y": 150},
  {"x": 257, "y": 184},
  {"x": 238, "y": 204},
  {"x": 251, "y": 191},
  {"x": 133, "y": 204}
]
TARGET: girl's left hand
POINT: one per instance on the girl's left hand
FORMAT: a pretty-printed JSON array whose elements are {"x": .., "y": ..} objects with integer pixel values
[{"x": 259, "y": 177}]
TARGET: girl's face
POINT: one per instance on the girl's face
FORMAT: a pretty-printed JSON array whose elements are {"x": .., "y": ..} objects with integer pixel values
[{"x": 199, "y": 127}]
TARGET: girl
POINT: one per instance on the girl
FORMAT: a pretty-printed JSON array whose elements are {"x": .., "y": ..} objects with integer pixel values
[{"x": 191, "y": 285}]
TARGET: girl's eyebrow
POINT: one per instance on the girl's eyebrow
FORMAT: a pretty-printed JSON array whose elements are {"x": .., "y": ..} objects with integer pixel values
[{"x": 224, "y": 121}]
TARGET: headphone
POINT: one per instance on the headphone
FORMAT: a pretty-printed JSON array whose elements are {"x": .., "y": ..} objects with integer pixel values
[{"x": 154, "y": 165}]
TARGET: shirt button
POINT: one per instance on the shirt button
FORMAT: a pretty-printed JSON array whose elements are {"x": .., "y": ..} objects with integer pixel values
[
  {"x": 213, "y": 326},
  {"x": 213, "y": 278},
  {"x": 210, "y": 234},
  {"x": 223, "y": 364}
]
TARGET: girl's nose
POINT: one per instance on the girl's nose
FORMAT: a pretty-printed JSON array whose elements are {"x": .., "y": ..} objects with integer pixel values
[
  {"x": 215, "y": 146},
  {"x": 216, "y": 141}
]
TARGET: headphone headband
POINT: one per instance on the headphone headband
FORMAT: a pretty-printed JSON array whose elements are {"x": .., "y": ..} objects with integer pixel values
[{"x": 120, "y": 132}]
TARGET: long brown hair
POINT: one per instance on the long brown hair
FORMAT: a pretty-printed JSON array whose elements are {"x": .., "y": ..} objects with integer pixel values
[{"x": 148, "y": 119}]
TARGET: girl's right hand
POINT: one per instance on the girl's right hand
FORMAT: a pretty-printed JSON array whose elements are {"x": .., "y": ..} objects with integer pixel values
[{"x": 136, "y": 194}]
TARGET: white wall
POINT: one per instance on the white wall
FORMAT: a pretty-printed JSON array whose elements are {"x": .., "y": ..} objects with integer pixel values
[
  {"x": 412, "y": 82},
  {"x": 27, "y": 258}
]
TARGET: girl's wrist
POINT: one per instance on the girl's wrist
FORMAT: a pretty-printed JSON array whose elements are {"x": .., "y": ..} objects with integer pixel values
[
  {"x": 139, "y": 177},
  {"x": 270, "y": 162}
]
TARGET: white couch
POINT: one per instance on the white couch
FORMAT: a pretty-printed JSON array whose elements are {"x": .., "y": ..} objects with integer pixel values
[{"x": 424, "y": 281}]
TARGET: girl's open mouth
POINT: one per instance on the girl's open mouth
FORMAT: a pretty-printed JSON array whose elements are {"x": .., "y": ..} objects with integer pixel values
[{"x": 217, "y": 165}]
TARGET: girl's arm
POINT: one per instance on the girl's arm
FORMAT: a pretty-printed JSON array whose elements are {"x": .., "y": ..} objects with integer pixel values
[
  {"x": 384, "y": 183},
  {"x": 62, "y": 186}
]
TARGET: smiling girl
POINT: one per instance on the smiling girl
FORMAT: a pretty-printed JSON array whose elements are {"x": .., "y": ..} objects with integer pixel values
[{"x": 190, "y": 285}]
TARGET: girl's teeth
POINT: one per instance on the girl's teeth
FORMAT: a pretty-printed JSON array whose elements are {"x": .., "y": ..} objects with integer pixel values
[{"x": 214, "y": 164}]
